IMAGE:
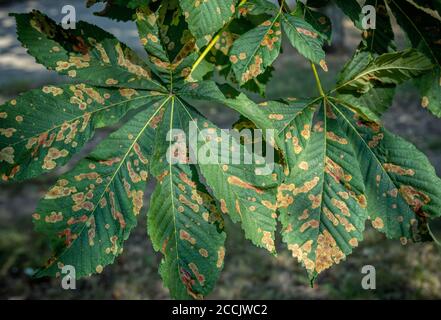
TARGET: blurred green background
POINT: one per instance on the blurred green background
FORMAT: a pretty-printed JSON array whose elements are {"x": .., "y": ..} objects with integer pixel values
[{"x": 410, "y": 272}]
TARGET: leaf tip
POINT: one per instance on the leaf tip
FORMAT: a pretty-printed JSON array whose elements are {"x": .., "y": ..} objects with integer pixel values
[{"x": 324, "y": 65}]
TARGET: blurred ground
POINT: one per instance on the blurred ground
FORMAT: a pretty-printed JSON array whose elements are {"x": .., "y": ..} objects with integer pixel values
[{"x": 410, "y": 272}]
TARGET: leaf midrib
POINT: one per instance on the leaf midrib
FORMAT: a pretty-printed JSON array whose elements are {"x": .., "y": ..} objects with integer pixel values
[
  {"x": 220, "y": 169},
  {"x": 366, "y": 145},
  {"x": 365, "y": 73},
  {"x": 303, "y": 37},
  {"x": 172, "y": 194},
  {"x": 258, "y": 44},
  {"x": 86, "y": 112}
]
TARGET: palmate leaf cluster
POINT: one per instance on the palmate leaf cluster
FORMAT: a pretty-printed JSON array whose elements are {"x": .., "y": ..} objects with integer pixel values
[{"x": 337, "y": 168}]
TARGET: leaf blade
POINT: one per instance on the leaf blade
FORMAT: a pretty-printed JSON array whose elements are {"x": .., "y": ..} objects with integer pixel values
[
  {"x": 255, "y": 50},
  {"x": 207, "y": 17},
  {"x": 387, "y": 69},
  {"x": 87, "y": 53},
  {"x": 406, "y": 189},
  {"x": 183, "y": 220},
  {"x": 91, "y": 210},
  {"x": 305, "y": 39},
  {"x": 36, "y": 139}
]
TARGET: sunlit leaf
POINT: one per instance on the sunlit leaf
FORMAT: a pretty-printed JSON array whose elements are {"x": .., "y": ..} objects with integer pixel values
[
  {"x": 340, "y": 171},
  {"x": 385, "y": 70},
  {"x": 208, "y": 16},
  {"x": 43, "y": 128},
  {"x": 257, "y": 49},
  {"x": 86, "y": 53},
  {"x": 373, "y": 103},
  {"x": 91, "y": 210}
]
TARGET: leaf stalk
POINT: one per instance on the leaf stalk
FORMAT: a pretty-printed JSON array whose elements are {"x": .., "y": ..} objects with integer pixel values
[
  {"x": 317, "y": 80},
  {"x": 284, "y": 6},
  {"x": 212, "y": 44}
]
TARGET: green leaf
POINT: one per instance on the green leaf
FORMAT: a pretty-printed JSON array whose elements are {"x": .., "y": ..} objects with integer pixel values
[
  {"x": 309, "y": 199},
  {"x": 205, "y": 91},
  {"x": 71, "y": 212},
  {"x": 241, "y": 195},
  {"x": 373, "y": 103},
  {"x": 321, "y": 202},
  {"x": 402, "y": 188},
  {"x": 171, "y": 50},
  {"x": 207, "y": 17},
  {"x": 91, "y": 210},
  {"x": 187, "y": 234},
  {"x": 257, "y": 49},
  {"x": 258, "y": 7},
  {"x": 134, "y": 4},
  {"x": 320, "y": 22},
  {"x": 87, "y": 53},
  {"x": 183, "y": 221},
  {"x": 245, "y": 195},
  {"x": 243, "y": 190},
  {"x": 258, "y": 84},
  {"x": 423, "y": 30},
  {"x": 104, "y": 192},
  {"x": 219, "y": 54},
  {"x": 43, "y": 128},
  {"x": 150, "y": 35},
  {"x": 254, "y": 51},
  {"x": 277, "y": 115},
  {"x": 340, "y": 171},
  {"x": 305, "y": 39},
  {"x": 379, "y": 40},
  {"x": 385, "y": 70},
  {"x": 429, "y": 86}
]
